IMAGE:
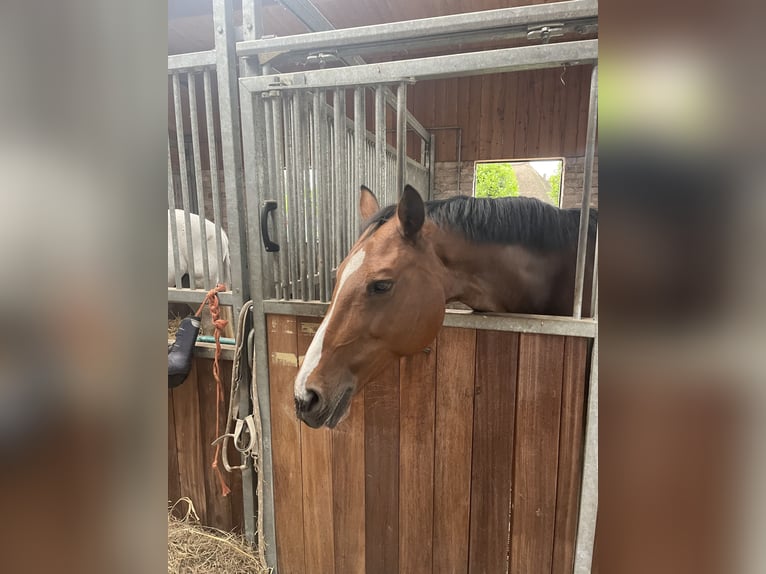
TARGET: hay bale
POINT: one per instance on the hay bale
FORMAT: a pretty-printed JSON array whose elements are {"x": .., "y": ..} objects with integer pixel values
[{"x": 193, "y": 548}]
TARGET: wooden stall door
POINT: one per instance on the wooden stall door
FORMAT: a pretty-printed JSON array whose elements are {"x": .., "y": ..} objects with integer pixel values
[{"x": 464, "y": 459}]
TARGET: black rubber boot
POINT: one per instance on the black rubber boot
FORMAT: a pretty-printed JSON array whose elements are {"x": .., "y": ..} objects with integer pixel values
[{"x": 180, "y": 352}]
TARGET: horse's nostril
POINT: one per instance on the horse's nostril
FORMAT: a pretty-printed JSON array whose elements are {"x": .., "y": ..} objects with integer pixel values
[
  {"x": 312, "y": 400},
  {"x": 308, "y": 402}
]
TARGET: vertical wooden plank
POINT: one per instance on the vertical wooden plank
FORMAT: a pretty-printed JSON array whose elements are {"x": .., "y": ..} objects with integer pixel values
[
  {"x": 573, "y": 79},
  {"x": 521, "y": 151},
  {"x": 546, "y": 148},
  {"x": 174, "y": 484},
  {"x": 571, "y": 436},
  {"x": 535, "y": 106},
  {"x": 509, "y": 119},
  {"x": 218, "y": 506},
  {"x": 538, "y": 411},
  {"x": 463, "y": 114},
  {"x": 286, "y": 444},
  {"x": 487, "y": 116},
  {"x": 558, "y": 119},
  {"x": 381, "y": 453},
  {"x": 191, "y": 468},
  {"x": 455, "y": 373},
  {"x": 497, "y": 127},
  {"x": 348, "y": 481},
  {"x": 417, "y": 376},
  {"x": 493, "y": 428},
  {"x": 316, "y": 456},
  {"x": 472, "y": 133}
]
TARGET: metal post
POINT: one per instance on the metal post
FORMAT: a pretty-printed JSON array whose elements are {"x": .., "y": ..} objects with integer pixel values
[
  {"x": 278, "y": 185},
  {"x": 181, "y": 143},
  {"x": 360, "y": 141},
  {"x": 299, "y": 168},
  {"x": 401, "y": 137},
  {"x": 594, "y": 285},
  {"x": 274, "y": 284},
  {"x": 213, "y": 160},
  {"x": 231, "y": 138},
  {"x": 339, "y": 153},
  {"x": 292, "y": 195},
  {"x": 173, "y": 223},
  {"x": 590, "y": 149},
  {"x": 319, "y": 188},
  {"x": 432, "y": 166},
  {"x": 380, "y": 143},
  {"x": 586, "y": 523},
  {"x": 192, "y": 81}
]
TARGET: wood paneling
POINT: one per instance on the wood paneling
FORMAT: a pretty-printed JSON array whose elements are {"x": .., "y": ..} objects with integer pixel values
[
  {"x": 174, "y": 483},
  {"x": 571, "y": 435},
  {"x": 417, "y": 376},
  {"x": 286, "y": 444},
  {"x": 452, "y": 461},
  {"x": 494, "y": 410},
  {"x": 218, "y": 506},
  {"x": 538, "y": 412},
  {"x": 191, "y": 467},
  {"x": 381, "y": 451},
  {"x": 316, "y": 459}
]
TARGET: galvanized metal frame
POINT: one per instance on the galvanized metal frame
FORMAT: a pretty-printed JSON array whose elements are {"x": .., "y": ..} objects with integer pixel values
[
  {"x": 324, "y": 133},
  {"x": 436, "y": 31}
]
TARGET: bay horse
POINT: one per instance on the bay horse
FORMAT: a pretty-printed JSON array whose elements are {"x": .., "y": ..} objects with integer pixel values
[{"x": 507, "y": 255}]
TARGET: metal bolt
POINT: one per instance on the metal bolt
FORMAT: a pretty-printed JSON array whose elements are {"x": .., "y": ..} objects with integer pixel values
[
  {"x": 219, "y": 29},
  {"x": 249, "y": 25}
]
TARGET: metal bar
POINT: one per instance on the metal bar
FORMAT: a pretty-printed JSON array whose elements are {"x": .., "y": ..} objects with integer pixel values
[
  {"x": 292, "y": 203},
  {"x": 256, "y": 180},
  {"x": 215, "y": 192},
  {"x": 191, "y": 60},
  {"x": 590, "y": 150},
  {"x": 278, "y": 184},
  {"x": 312, "y": 195},
  {"x": 380, "y": 143},
  {"x": 238, "y": 231},
  {"x": 318, "y": 171},
  {"x": 272, "y": 171},
  {"x": 594, "y": 284},
  {"x": 176, "y": 295},
  {"x": 326, "y": 135},
  {"x": 226, "y": 76},
  {"x": 559, "y": 12},
  {"x": 197, "y": 156},
  {"x": 401, "y": 137},
  {"x": 543, "y": 324},
  {"x": 186, "y": 201},
  {"x": 360, "y": 128},
  {"x": 172, "y": 221},
  {"x": 431, "y": 165},
  {"x": 339, "y": 109},
  {"x": 448, "y": 66},
  {"x": 586, "y": 522},
  {"x": 299, "y": 168}
]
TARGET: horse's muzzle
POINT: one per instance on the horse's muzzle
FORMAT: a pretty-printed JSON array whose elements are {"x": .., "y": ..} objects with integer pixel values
[{"x": 316, "y": 411}]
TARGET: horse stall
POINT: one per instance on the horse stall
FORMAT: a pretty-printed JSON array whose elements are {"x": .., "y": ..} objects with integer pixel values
[{"x": 478, "y": 453}]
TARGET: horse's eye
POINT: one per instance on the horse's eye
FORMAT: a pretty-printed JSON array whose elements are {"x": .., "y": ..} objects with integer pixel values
[{"x": 378, "y": 287}]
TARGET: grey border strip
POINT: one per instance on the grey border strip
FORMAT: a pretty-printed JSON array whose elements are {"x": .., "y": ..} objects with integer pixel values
[{"x": 543, "y": 324}]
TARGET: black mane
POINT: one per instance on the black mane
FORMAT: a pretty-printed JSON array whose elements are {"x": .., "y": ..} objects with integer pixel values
[{"x": 509, "y": 220}]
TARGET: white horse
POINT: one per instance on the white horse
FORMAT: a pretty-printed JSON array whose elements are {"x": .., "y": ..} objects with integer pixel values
[{"x": 217, "y": 273}]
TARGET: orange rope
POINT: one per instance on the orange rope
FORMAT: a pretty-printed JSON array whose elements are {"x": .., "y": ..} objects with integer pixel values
[{"x": 211, "y": 299}]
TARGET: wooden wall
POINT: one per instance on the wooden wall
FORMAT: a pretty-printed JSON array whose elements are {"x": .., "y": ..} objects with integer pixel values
[
  {"x": 191, "y": 429},
  {"x": 437, "y": 461},
  {"x": 515, "y": 115}
]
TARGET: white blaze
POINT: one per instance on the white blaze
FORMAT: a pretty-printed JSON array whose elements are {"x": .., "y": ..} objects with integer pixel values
[{"x": 314, "y": 353}]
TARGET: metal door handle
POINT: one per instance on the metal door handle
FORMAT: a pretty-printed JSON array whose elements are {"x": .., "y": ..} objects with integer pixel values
[{"x": 268, "y": 244}]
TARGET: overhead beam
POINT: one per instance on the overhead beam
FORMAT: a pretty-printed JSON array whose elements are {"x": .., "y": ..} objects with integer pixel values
[
  {"x": 453, "y": 65},
  {"x": 427, "y": 28}
]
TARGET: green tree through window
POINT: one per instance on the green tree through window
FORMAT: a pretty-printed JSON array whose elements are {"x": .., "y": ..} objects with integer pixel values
[{"x": 496, "y": 180}]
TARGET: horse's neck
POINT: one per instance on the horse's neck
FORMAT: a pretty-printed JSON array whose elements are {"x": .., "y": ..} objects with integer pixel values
[{"x": 495, "y": 277}]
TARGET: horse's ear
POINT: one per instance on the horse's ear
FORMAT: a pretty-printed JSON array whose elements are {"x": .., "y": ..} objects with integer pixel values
[
  {"x": 368, "y": 204},
  {"x": 411, "y": 212}
]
